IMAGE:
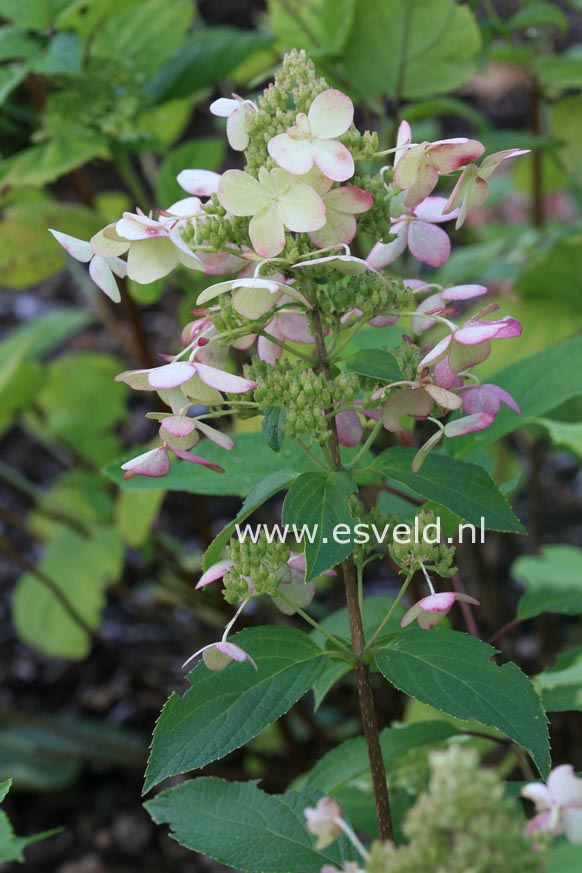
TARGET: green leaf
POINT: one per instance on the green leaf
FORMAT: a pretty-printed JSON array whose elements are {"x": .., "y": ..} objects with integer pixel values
[
  {"x": 557, "y": 268},
  {"x": 223, "y": 711},
  {"x": 145, "y": 36},
  {"x": 539, "y": 15},
  {"x": 28, "y": 252},
  {"x": 272, "y": 427},
  {"x": 87, "y": 16},
  {"x": 136, "y": 513},
  {"x": 373, "y": 614},
  {"x": 45, "y": 163},
  {"x": 376, "y": 363},
  {"x": 32, "y": 14},
  {"x": 81, "y": 569},
  {"x": 16, "y": 42},
  {"x": 46, "y": 752},
  {"x": 565, "y": 858},
  {"x": 394, "y": 43},
  {"x": 565, "y": 117},
  {"x": 561, "y": 684},
  {"x": 333, "y": 671},
  {"x": 350, "y": 759},
  {"x": 205, "y": 153},
  {"x": 239, "y": 825},
  {"x": 63, "y": 57},
  {"x": 323, "y": 25},
  {"x": 552, "y": 581},
  {"x": 464, "y": 488},
  {"x": 10, "y": 78},
  {"x": 560, "y": 72},
  {"x": 11, "y": 846},
  {"x": 319, "y": 501},
  {"x": 260, "y": 493},
  {"x": 73, "y": 381},
  {"x": 452, "y": 671},
  {"x": 563, "y": 434},
  {"x": 207, "y": 56}
]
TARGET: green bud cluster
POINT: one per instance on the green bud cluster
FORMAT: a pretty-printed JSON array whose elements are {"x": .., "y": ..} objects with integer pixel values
[
  {"x": 411, "y": 556},
  {"x": 256, "y": 568},
  {"x": 303, "y": 393},
  {"x": 408, "y": 356},
  {"x": 375, "y": 222},
  {"x": 294, "y": 89},
  {"x": 465, "y": 823},
  {"x": 371, "y": 293}
]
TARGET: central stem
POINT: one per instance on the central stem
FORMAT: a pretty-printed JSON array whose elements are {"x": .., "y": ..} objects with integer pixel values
[{"x": 350, "y": 579}]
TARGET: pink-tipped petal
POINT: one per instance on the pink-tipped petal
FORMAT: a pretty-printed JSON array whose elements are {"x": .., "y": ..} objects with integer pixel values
[
  {"x": 217, "y": 436},
  {"x": 199, "y": 183},
  {"x": 428, "y": 243},
  {"x": 101, "y": 273},
  {"x": 330, "y": 114},
  {"x": 76, "y": 248},
  {"x": 349, "y": 428},
  {"x": 463, "y": 292},
  {"x": 223, "y": 381},
  {"x": 469, "y": 424},
  {"x": 333, "y": 159},
  {"x": 432, "y": 210},
  {"x": 171, "y": 375},
  {"x": 385, "y": 253},
  {"x": 155, "y": 464},
  {"x": 178, "y": 425},
  {"x": 293, "y": 155},
  {"x": 196, "y": 459},
  {"x": 213, "y": 573},
  {"x": 449, "y": 155}
]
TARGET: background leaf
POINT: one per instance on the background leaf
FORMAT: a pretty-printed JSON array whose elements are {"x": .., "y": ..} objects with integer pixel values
[
  {"x": 208, "y": 55},
  {"x": 81, "y": 568},
  {"x": 553, "y": 581},
  {"x": 394, "y": 42}
]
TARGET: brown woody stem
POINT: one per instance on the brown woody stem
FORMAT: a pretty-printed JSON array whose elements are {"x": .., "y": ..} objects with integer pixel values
[{"x": 348, "y": 573}]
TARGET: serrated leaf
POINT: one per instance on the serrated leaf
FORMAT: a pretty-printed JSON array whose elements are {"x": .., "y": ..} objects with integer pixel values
[
  {"x": 552, "y": 581},
  {"x": 223, "y": 711},
  {"x": 319, "y": 502},
  {"x": 464, "y": 488},
  {"x": 260, "y": 493},
  {"x": 452, "y": 672},
  {"x": 239, "y": 825},
  {"x": 350, "y": 759},
  {"x": 377, "y": 364}
]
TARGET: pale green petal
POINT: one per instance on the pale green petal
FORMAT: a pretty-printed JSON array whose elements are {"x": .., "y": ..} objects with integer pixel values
[
  {"x": 151, "y": 259},
  {"x": 240, "y": 193},
  {"x": 267, "y": 232},
  {"x": 302, "y": 209}
]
